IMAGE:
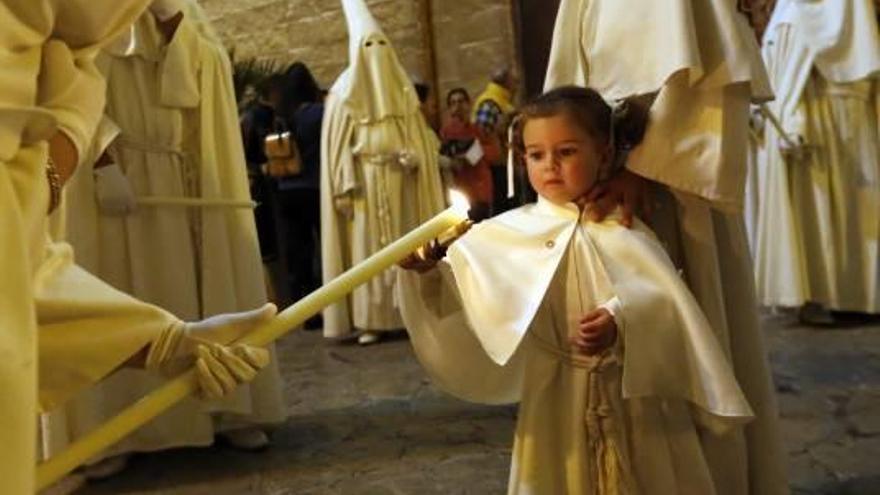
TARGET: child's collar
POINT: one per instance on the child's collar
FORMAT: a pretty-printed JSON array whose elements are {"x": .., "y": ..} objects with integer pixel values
[{"x": 570, "y": 210}]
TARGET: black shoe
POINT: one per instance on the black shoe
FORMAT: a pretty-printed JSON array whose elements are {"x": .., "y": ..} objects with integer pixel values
[{"x": 314, "y": 323}]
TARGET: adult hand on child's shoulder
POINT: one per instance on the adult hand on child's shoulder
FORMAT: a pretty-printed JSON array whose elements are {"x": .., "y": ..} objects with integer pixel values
[
  {"x": 632, "y": 192},
  {"x": 597, "y": 331}
]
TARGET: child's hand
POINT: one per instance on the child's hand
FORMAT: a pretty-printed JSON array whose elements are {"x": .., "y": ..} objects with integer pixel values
[
  {"x": 597, "y": 332},
  {"x": 425, "y": 258}
]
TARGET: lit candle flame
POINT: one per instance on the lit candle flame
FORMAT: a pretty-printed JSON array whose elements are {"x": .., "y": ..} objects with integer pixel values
[{"x": 459, "y": 202}]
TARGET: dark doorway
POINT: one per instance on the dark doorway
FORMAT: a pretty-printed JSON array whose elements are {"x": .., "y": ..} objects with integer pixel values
[{"x": 534, "y": 29}]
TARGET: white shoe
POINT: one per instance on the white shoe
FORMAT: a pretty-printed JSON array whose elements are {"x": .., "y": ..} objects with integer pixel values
[
  {"x": 66, "y": 486},
  {"x": 368, "y": 338},
  {"x": 106, "y": 468},
  {"x": 248, "y": 439}
]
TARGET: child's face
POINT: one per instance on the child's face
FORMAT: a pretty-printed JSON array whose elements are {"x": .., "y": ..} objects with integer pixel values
[{"x": 563, "y": 160}]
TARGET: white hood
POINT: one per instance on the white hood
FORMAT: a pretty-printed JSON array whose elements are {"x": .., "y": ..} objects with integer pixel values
[
  {"x": 375, "y": 85},
  {"x": 630, "y": 47},
  {"x": 842, "y": 35}
]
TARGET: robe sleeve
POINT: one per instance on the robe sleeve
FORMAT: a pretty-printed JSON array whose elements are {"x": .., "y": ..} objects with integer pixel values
[
  {"x": 72, "y": 89},
  {"x": 445, "y": 344},
  {"x": 70, "y": 85},
  {"x": 336, "y": 146},
  {"x": 180, "y": 67}
]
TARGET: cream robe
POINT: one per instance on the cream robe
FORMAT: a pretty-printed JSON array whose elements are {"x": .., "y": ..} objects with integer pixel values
[
  {"x": 818, "y": 234},
  {"x": 703, "y": 64},
  {"x": 644, "y": 404},
  {"x": 50, "y": 82},
  {"x": 752, "y": 195},
  {"x": 378, "y": 151},
  {"x": 177, "y": 258},
  {"x": 388, "y": 202}
]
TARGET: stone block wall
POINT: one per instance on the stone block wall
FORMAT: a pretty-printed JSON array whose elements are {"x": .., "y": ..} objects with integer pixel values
[{"x": 444, "y": 42}]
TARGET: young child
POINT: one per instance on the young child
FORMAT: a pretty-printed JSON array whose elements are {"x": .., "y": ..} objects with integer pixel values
[{"x": 620, "y": 379}]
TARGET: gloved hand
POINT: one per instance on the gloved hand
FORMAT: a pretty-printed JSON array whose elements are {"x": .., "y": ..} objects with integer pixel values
[
  {"x": 163, "y": 10},
  {"x": 113, "y": 191},
  {"x": 220, "y": 367}
]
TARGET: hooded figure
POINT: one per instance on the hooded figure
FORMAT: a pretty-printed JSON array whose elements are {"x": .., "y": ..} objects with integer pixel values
[
  {"x": 379, "y": 173},
  {"x": 817, "y": 227},
  {"x": 698, "y": 64}
]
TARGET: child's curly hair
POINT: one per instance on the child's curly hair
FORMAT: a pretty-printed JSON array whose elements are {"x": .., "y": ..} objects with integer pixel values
[{"x": 621, "y": 127}]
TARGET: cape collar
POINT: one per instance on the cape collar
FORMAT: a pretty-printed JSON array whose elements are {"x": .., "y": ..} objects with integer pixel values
[{"x": 568, "y": 210}]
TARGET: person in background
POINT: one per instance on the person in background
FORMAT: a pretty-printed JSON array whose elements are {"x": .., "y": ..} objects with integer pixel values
[
  {"x": 471, "y": 151},
  {"x": 380, "y": 177},
  {"x": 427, "y": 104},
  {"x": 818, "y": 184},
  {"x": 492, "y": 112},
  {"x": 196, "y": 261},
  {"x": 302, "y": 113},
  {"x": 258, "y": 121}
]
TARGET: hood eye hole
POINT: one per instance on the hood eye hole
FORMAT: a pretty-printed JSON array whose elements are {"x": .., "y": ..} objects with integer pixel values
[
  {"x": 369, "y": 44},
  {"x": 382, "y": 42}
]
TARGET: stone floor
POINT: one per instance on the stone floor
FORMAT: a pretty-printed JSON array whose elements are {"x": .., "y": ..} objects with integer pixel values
[{"x": 366, "y": 421}]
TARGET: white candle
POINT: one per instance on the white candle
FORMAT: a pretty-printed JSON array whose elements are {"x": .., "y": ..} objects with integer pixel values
[{"x": 179, "y": 388}]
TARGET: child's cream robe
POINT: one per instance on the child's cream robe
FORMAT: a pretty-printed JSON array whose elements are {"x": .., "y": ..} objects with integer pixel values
[{"x": 492, "y": 326}]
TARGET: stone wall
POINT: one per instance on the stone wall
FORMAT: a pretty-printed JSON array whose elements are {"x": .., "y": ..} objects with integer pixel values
[{"x": 445, "y": 42}]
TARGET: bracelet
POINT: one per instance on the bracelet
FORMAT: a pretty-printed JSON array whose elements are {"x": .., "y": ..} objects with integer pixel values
[{"x": 54, "y": 184}]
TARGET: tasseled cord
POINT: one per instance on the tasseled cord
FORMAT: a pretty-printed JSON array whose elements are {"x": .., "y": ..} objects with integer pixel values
[{"x": 609, "y": 473}]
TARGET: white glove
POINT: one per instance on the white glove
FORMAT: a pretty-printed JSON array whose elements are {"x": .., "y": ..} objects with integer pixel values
[
  {"x": 220, "y": 367},
  {"x": 113, "y": 191},
  {"x": 163, "y": 10}
]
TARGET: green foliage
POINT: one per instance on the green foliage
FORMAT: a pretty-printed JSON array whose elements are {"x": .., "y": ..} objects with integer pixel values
[{"x": 251, "y": 72}]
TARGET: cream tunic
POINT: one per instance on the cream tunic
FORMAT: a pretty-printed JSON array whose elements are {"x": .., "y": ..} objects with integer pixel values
[
  {"x": 156, "y": 253},
  {"x": 585, "y": 424},
  {"x": 818, "y": 234},
  {"x": 572, "y": 409},
  {"x": 377, "y": 152}
]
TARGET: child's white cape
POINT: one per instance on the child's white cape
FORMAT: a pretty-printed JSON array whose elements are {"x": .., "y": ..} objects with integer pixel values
[{"x": 502, "y": 269}]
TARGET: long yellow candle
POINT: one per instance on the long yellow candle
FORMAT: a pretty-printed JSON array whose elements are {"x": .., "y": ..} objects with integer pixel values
[{"x": 180, "y": 387}]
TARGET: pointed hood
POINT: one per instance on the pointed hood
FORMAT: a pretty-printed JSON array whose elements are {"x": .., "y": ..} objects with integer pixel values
[{"x": 375, "y": 86}]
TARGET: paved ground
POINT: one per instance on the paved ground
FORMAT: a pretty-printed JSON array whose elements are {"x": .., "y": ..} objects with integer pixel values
[{"x": 366, "y": 421}]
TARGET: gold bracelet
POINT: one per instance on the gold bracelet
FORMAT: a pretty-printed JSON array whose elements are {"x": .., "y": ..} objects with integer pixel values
[{"x": 54, "y": 184}]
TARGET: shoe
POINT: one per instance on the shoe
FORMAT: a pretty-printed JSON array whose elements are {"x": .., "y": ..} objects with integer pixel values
[
  {"x": 368, "y": 338},
  {"x": 314, "y": 323},
  {"x": 815, "y": 314},
  {"x": 247, "y": 439},
  {"x": 106, "y": 468}
]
